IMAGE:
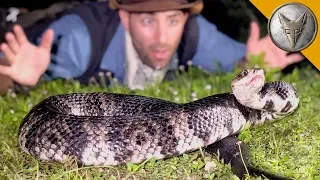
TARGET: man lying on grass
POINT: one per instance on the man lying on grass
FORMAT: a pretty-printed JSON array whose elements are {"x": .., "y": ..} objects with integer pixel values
[{"x": 135, "y": 42}]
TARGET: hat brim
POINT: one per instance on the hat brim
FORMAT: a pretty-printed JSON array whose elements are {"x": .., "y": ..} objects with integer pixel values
[{"x": 156, "y": 6}]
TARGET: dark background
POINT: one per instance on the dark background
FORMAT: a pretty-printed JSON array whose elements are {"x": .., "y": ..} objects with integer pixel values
[{"x": 231, "y": 16}]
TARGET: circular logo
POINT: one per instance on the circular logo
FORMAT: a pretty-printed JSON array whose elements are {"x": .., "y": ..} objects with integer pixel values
[{"x": 292, "y": 27}]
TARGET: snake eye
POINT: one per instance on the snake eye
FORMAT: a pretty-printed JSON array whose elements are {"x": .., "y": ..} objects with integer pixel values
[{"x": 245, "y": 73}]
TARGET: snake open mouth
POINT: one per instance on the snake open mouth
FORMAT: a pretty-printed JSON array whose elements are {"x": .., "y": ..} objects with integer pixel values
[{"x": 253, "y": 79}]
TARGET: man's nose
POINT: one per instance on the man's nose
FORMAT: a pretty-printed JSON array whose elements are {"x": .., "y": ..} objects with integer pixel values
[{"x": 162, "y": 33}]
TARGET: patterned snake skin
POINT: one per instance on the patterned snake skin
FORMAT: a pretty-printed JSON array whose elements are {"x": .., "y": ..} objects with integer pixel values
[{"x": 113, "y": 129}]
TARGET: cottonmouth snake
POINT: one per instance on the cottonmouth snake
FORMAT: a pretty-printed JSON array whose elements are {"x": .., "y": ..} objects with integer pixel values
[{"x": 113, "y": 129}]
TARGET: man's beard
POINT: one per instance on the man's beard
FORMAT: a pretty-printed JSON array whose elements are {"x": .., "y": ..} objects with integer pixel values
[{"x": 147, "y": 61}]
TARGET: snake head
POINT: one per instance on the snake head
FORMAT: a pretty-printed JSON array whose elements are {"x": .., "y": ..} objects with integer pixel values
[{"x": 248, "y": 81}]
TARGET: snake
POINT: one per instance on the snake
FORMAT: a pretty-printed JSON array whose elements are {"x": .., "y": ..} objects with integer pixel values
[{"x": 105, "y": 128}]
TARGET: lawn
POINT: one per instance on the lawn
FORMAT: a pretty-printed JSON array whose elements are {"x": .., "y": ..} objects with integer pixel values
[{"x": 289, "y": 147}]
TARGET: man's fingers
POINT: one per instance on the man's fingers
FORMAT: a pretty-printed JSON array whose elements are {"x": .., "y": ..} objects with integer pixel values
[
  {"x": 275, "y": 48},
  {"x": 5, "y": 70},
  {"x": 7, "y": 52},
  {"x": 294, "y": 58},
  {"x": 20, "y": 35},
  {"x": 47, "y": 39},
  {"x": 12, "y": 42},
  {"x": 254, "y": 32}
]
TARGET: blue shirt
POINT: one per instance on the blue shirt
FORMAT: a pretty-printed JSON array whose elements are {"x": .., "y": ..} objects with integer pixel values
[{"x": 73, "y": 53}]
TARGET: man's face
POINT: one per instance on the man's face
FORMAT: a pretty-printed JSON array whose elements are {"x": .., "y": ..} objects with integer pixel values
[{"x": 155, "y": 36}]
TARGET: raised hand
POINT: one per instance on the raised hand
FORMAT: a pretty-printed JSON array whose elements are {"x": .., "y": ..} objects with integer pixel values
[
  {"x": 274, "y": 56},
  {"x": 26, "y": 62}
]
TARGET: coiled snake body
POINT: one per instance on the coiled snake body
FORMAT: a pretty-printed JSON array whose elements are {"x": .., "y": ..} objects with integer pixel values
[{"x": 112, "y": 129}]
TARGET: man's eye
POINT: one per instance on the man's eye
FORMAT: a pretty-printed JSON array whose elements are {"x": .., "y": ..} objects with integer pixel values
[
  {"x": 147, "y": 20},
  {"x": 173, "y": 21}
]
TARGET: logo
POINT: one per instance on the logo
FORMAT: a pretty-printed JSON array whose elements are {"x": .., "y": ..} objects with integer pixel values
[{"x": 292, "y": 27}]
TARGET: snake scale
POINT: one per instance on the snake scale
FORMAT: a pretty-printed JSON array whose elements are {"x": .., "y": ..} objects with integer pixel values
[{"x": 112, "y": 129}]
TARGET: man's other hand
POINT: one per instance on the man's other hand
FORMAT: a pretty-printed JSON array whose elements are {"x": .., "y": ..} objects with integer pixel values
[
  {"x": 25, "y": 62},
  {"x": 274, "y": 56}
]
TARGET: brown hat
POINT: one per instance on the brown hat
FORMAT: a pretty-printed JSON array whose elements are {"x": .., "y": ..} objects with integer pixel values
[{"x": 193, "y": 6}]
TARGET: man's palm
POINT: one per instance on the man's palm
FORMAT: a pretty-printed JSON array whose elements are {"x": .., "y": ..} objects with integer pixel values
[
  {"x": 27, "y": 62},
  {"x": 274, "y": 56}
]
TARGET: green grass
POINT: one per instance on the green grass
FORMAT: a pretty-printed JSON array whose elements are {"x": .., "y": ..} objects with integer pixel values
[{"x": 290, "y": 146}]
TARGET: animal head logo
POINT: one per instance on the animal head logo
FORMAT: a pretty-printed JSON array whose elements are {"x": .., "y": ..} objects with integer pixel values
[{"x": 292, "y": 28}]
